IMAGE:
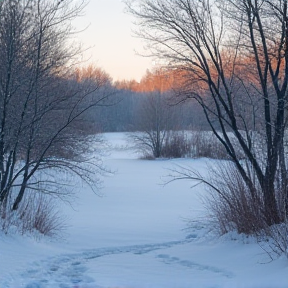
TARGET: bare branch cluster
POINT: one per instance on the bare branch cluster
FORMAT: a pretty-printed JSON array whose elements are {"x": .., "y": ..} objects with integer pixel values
[
  {"x": 235, "y": 55},
  {"x": 43, "y": 101}
]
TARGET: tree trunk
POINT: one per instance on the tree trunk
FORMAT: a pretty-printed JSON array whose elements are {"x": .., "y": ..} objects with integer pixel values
[
  {"x": 271, "y": 211},
  {"x": 19, "y": 196}
]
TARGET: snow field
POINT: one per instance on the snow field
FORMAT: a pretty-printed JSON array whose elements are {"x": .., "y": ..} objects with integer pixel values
[{"x": 135, "y": 236}]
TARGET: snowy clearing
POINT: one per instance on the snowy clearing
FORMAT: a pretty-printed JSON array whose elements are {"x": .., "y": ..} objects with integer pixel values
[{"x": 135, "y": 236}]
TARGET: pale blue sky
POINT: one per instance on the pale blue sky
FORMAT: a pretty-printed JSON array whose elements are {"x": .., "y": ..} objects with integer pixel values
[{"x": 110, "y": 36}]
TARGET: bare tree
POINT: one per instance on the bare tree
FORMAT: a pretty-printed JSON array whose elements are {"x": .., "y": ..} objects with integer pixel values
[
  {"x": 41, "y": 98},
  {"x": 235, "y": 52},
  {"x": 155, "y": 121},
  {"x": 156, "y": 117}
]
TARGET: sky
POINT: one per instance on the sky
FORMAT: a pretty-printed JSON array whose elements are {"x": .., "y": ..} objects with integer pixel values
[{"x": 110, "y": 39}]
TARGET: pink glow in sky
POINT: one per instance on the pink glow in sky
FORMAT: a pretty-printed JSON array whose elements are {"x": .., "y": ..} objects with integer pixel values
[{"x": 110, "y": 37}]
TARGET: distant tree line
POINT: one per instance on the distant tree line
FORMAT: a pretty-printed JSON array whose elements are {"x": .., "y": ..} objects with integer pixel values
[{"x": 125, "y": 111}]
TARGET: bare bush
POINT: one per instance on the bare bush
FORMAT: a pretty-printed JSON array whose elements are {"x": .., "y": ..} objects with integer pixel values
[
  {"x": 207, "y": 145},
  {"x": 274, "y": 240},
  {"x": 235, "y": 207},
  {"x": 147, "y": 156},
  {"x": 37, "y": 215},
  {"x": 177, "y": 145},
  {"x": 181, "y": 144}
]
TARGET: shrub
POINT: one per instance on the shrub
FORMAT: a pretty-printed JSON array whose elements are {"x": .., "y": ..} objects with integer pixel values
[
  {"x": 205, "y": 144},
  {"x": 174, "y": 144},
  {"x": 181, "y": 144},
  {"x": 235, "y": 207},
  {"x": 36, "y": 213},
  {"x": 177, "y": 145},
  {"x": 231, "y": 202}
]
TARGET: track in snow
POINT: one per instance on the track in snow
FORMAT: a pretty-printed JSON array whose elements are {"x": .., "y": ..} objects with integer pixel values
[{"x": 70, "y": 271}]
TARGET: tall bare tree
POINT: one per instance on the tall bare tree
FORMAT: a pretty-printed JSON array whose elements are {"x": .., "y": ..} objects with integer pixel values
[
  {"x": 40, "y": 96},
  {"x": 235, "y": 51}
]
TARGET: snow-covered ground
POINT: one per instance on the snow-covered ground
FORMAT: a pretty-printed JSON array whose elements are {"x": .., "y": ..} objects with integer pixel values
[{"x": 135, "y": 236}]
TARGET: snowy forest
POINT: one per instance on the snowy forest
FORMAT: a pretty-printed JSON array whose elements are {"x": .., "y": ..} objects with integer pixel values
[{"x": 211, "y": 114}]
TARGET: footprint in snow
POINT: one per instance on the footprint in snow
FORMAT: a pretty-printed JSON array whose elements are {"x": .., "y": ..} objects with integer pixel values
[
  {"x": 68, "y": 271},
  {"x": 193, "y": 265}
]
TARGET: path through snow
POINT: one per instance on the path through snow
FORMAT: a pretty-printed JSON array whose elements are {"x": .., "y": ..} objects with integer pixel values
[{"x": 71, "y": 270}]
